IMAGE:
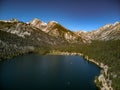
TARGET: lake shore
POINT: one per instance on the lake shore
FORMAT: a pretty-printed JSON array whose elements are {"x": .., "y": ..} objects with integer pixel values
[{"x": 102, "y": 81}]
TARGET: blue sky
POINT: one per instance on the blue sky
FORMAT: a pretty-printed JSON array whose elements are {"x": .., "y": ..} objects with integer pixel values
[{"x": 73, "y": 14}]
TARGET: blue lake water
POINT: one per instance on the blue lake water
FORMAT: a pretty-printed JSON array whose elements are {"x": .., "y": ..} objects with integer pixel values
[{"x": 49, "y": 72}]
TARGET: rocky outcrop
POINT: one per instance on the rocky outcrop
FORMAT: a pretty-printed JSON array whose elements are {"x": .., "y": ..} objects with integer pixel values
[
  {"x": 104, "y": 78},
  {"x": 39, "y": 24},
  {"x": 16, "y": 27},
  {"x": 85, "y": 36}
]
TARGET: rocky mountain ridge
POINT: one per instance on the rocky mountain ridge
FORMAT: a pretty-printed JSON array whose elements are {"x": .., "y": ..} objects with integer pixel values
[
  {"x": 105, "y": 33},
  {"x": 54, "y": 33},
  {"x": 54, "y": 29}
]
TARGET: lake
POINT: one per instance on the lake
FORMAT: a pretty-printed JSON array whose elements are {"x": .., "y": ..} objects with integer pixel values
[{"x": 48, "y": 72}]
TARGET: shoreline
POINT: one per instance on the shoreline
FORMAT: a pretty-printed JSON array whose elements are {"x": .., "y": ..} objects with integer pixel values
[{"x": 102, "y": 81}]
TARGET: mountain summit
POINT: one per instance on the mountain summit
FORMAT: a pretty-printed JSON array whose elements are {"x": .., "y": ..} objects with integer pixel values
[
  {"x": 38, "y": 24},
  {"x": 54, "y": 29},
  {"x": 105, "y": 33}
]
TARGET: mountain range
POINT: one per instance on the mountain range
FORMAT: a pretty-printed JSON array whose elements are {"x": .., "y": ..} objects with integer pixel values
[
  {"x": 36, "y": 36},
  {"x": 107, "y": 32},
  {"x": 21, "y": 37},
  {"x": 55, "y": 30}
]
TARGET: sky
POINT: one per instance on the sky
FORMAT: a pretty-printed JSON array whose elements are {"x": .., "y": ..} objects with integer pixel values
[{"x": 73, "y": 14}]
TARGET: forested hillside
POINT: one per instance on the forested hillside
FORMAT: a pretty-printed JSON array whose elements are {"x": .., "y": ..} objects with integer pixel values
[{"x": 107, "y": 52}]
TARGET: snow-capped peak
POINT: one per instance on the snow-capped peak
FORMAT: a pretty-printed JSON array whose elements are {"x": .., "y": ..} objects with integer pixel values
[
  {"x": 116, "y": 23},
  {"x": 35, "y": 20},
  {"x": 38, "y": 23},
  {"x": 53, "y": 22},
  {"x": 107, "y": 25}
]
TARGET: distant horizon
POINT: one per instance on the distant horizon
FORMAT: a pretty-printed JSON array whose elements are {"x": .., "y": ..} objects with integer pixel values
[
  {"x": 59, "y": 23},
  {"x": 75, "y": 15}
]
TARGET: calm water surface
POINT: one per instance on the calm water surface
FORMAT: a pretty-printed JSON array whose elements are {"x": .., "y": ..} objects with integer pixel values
[{"x": 49, "y": 72}]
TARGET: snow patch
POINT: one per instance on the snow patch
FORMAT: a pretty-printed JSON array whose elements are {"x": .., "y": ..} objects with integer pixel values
[{"x": 53, "y": 22}]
